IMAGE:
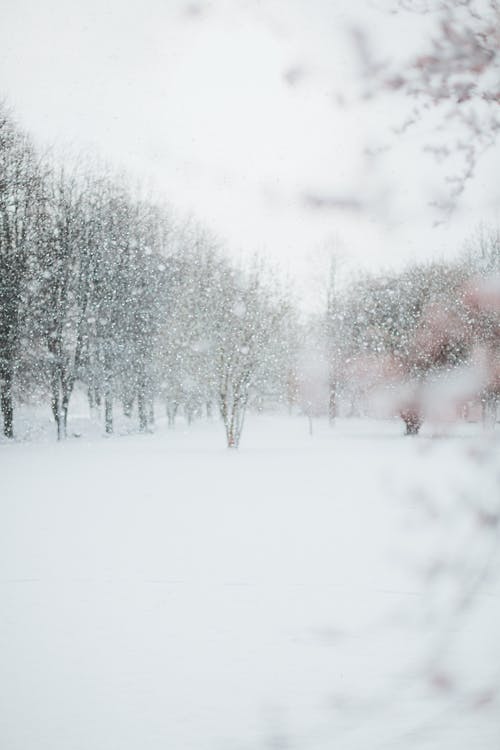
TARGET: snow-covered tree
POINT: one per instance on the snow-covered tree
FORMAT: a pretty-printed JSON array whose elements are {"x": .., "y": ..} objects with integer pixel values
[
  {"x": 60, "y": 300},
  {"x": 250, "y": 314},
  {"x": 20, "y": 182}
]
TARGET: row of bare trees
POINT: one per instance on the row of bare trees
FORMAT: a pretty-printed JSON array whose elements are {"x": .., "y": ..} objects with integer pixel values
[{"x": 100, "y": 285}]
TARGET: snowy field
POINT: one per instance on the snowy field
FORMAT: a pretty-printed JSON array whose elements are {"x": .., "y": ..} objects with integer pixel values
[{"x": 340, "y": 591}]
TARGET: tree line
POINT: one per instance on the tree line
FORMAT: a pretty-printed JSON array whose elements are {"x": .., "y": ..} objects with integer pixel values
[
  {"x": 100, "y": 285},
  {"x": 422, "y": 342},
  {"x": 103, "y": 286}
]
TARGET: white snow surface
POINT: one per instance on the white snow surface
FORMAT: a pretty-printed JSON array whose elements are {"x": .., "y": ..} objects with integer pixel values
[{"x": 337, "y": 591}]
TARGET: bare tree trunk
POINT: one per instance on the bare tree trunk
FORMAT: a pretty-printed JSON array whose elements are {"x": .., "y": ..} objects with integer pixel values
[
  {"x": 108, "y": 393},
  {"x": 151, "y": 412},
  {"x": 94, "y": 399},
  {"x": 141, "y": 407},
  {"x": 67, "y": 390},
  {"x": 171, "y": 413},
  {"x": 62, "y": 387},
  {"x": 228, "y": 419},
  {"x": 6, "y": 402},
  {"x": 54, "y": 385},
  {"x": 234, "y": 422},
  {"x": 9, "y": 330},
  {"x": 332, "y": 402},
  {"x": 128, "y": 404},
  {"x": 108, "y": 413}
]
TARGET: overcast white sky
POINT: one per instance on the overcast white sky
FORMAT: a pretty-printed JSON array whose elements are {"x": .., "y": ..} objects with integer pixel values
[{"x": 237, "y": 109}]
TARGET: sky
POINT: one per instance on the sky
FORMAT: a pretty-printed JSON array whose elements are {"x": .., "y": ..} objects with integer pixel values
[{"x": 239, "y": 111}]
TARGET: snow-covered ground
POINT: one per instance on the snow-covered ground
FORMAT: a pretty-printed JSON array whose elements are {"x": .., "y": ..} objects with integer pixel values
[{"x": 340, "y": 591}]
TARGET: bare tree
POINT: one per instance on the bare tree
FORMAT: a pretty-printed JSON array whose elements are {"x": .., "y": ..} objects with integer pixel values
[
  {"x": 249, "y": 322},
  {"x": 19, "y": 187},
  {"x": 63, "y": 301}
]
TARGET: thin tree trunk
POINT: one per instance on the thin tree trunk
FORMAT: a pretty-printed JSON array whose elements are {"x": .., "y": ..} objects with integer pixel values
[
  {"x": 332, "y": 402},
  {"x": 230, "y": 437},
  {"x": 55, "y": 400},
  {"x": 108, "y": 413},
  {"x": 108, "y": 394},
  {"x": 141, "y": 407},
  {"x": 6, "y": 403},
  {"x": 171, "y": 413},
  {"x": 67, "y": 391}
]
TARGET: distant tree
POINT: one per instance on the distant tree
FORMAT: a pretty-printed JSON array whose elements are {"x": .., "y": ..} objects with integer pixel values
[
  {"x": 402, "y": 329},
  {"x": 146, "y": 289},
  {"x": 187, "y": 341},
  {"x": 106, "y": 237},
  {"x": 333, "y": 338},
  {"x": 313, "y": 370},
  {"x": 248, "y": 326}
]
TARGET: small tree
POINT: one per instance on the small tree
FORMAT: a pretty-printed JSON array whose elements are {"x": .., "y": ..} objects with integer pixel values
[{"x": 248, "y": 327}]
